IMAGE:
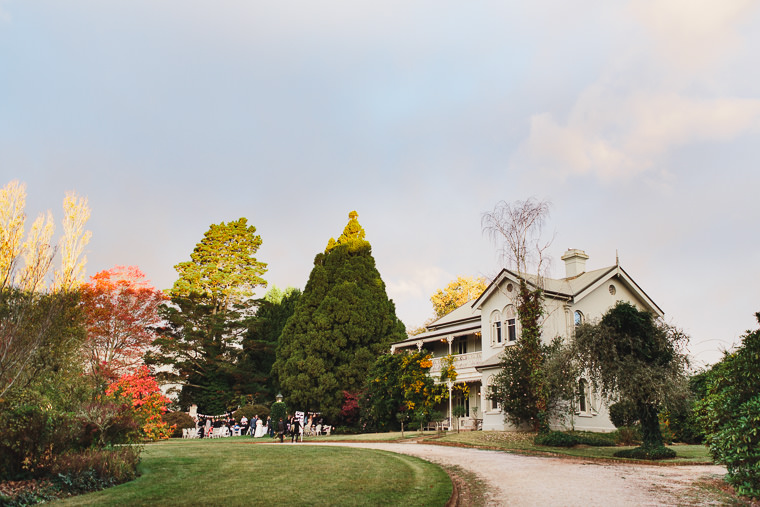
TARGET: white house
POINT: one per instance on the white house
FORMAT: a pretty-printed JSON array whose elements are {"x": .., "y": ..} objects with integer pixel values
[{"x": 477, "y": 332}]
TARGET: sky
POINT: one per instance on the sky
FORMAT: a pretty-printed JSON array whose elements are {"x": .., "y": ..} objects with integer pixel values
[{"x": 639, "y": 121}]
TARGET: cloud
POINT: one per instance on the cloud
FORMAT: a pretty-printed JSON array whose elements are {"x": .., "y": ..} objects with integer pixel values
[
  {"x": 417, "y": 285},
  {"x": 692, "y": 34},
  {"x": 657, "y": 95},
  {"x": 619, "y": 137}
]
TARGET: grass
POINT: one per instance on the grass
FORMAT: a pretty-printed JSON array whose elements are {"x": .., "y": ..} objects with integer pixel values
[
  {"x": 523, "y": 442},
  {"x": 231, "y": 471}
]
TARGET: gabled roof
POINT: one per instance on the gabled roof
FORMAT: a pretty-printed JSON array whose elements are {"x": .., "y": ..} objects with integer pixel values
[{"x": 572, "y": 289}]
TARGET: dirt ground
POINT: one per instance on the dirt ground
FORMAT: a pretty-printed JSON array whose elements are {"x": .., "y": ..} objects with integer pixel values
[{"x": 512, "y": 479}]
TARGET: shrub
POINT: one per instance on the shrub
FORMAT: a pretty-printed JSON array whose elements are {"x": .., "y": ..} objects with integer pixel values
[
  {"x": 347, "y": 430},
  {"x": 278, "y": 411},
  {"x": 595, "y": 439},
  {"x": 95, "y": 469},
  {"x": 651, "y": 453},
  {"x": 623, "y": 414},
  {"x": 627, "y": 435},
  {"x": 179, "y": 421},
  {"x": 730, "y": 414},
  {"x": 556, "y": 439},
  {"x": 251, "y": 410}
]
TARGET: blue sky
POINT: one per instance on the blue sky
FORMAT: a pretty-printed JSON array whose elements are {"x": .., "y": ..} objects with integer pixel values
[{"x": 639, "y": 121}]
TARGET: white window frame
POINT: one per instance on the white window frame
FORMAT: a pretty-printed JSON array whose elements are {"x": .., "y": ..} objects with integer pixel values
[
  {"x": 497, "y": 332},
  {"x": 510, "y": 324}
]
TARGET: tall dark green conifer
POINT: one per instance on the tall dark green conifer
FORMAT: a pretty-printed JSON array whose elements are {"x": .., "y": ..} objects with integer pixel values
[
  {"x": 260, "y": 344},
  {"x": 342, "y": 322}
]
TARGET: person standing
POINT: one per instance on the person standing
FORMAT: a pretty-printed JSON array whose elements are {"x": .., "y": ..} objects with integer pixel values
[
  {"x": 295, "y": 429},
  {"x": 281, "y": 429}
]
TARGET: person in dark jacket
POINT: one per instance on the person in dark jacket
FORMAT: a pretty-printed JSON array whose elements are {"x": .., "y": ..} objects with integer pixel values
[{"x": 281, "y": 429}]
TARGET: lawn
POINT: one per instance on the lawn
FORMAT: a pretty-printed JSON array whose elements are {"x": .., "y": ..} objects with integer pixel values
[
  {"x": 232, "y": 471},
  {"x": 523, "y": 442}
]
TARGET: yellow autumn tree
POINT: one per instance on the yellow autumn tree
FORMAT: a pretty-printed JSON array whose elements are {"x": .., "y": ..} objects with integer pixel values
[
  {"x": 457, "y": 293},
  {"x": 12, "y": 202},
  {"x": 24, "y": 264},
  {"x": 75, "y": 238}
]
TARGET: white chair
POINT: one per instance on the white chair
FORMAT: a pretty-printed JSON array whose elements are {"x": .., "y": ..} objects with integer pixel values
[{"x": 235, "y": 432}]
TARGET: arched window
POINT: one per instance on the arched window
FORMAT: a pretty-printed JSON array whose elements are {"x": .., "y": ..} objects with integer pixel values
[
  {"x": 496, "y": 337},
  {"x": 510, "y": 322},
  {"x": 584, "y": 401},
  {"x": 578, "y": 317}
]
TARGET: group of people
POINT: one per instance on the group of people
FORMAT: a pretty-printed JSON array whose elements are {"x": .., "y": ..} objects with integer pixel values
[{"x": 257, "y": 427}]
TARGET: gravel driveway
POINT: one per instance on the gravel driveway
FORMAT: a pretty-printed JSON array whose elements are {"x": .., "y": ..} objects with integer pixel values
[{"x": 513, "y": 479}]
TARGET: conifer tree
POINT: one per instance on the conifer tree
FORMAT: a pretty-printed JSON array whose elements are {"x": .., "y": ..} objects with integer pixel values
[
  {"x": 260, "y": 341},
  {"x": 204, "y": 323},
  {"x": 342, "y": 323}
]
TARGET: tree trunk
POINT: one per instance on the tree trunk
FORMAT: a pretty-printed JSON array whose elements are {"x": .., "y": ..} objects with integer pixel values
[{"x": 650, "y": 426}]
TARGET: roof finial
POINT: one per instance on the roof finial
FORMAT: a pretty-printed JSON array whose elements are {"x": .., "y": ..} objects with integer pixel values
[{"x": 617, "y": 258}]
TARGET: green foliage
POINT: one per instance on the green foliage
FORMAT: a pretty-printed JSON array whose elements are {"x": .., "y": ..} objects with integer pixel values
[
  {"x": 210, "y": 302},
  {"x": 627, "y": 435},
  {"x": 555, "y": 439},
  {"x": 623, "y": 413},
  {"x": 682, "y": 420},
  {"x": 534, "y": 382},
  {"x": 647, "y": 452},
  {"x": 400, "y": 383},
  {"x": 259, "y": 345},
  {"x": 180, "y": 421},
  {"x": 571, "y": 439},
  {"x": 278, "y": 411},
  {"x": 222, "y": 266},
  {"x": 95, "y": 469},
  {"x": 262, "y": 411},
  {"x": 634, "y": 358},
  {"x": 341, "y": 324},
  {"x": 730, "y": 414},
  {"x": 40, "y": 339}
]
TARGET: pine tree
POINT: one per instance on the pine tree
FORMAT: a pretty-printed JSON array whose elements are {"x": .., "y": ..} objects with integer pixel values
[
  {"x": 210, "y": 302},
  {"x": 342, "y": 323}
]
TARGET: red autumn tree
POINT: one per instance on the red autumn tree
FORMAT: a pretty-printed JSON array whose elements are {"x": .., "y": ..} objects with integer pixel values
[
  {"x": 140, "y": 390},
  {"x": 121, "y": 314}
]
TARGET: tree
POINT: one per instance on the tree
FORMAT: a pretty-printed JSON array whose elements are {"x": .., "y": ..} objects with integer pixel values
[
  {"x": 259, "y": 345},
  {"x": 39, "y": 334},
  {"x": 39, "y": 330},
  {"x": 457, "y": 293},
  {"x": 341, "y": 324},
  {"x": 521, "y": 386},
  {"x": 630, "y": 356},
  {"x": 730, "y": 414},
  {"x": 140, "y": 391},
  {"x": 121, "y": 315},
  {"x": 210, "y": 302},
  {"x": 37, "y": 252},
  {"x": 400, "y": 384},
  {"x": 75, "y": 238}
]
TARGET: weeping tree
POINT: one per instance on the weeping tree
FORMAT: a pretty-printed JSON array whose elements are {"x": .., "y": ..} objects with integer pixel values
[{"x": 630, "y": 356}]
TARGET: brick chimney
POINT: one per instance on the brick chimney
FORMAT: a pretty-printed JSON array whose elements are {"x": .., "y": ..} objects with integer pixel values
[{"x": 575, "y": 262}]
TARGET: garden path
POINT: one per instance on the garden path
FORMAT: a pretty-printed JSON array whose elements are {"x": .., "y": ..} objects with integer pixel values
[{"x": 513, "y": 479}]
